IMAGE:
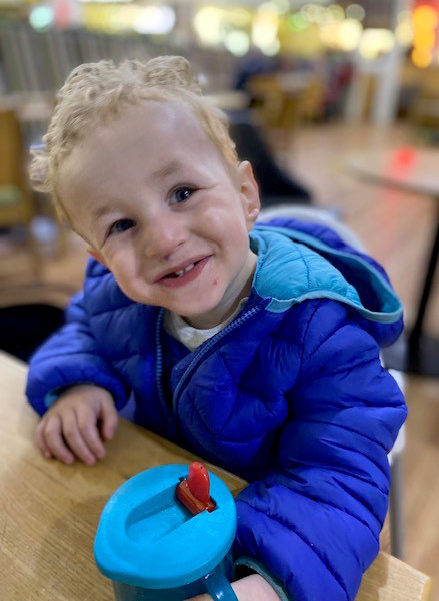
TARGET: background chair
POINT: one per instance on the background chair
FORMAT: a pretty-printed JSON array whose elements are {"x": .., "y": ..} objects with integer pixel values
[
  {"x": 29, "y": 314},
  {"x": 326, "y": 218},
  {"x": 17, "y": 207},
  {"x": 285, "y": 100}
]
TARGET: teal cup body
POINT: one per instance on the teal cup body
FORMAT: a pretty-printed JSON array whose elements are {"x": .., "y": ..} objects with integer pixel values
[
  {"x": 216, "y": 583},
  {"x": 154, "y": 549}
]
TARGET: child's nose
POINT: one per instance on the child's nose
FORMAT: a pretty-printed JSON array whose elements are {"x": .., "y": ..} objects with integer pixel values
[{"x": 164, "y": 234}]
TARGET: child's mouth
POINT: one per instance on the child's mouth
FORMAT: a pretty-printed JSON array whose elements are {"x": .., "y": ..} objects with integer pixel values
[
  {"x": 178, "y": 274},
  {"x": 184, "y": 276}
]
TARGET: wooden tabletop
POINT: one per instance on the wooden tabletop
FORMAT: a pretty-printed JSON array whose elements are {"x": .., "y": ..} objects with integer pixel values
[
  {"x": 49, "y": 512},
  {"x": 414, "y": 169}
]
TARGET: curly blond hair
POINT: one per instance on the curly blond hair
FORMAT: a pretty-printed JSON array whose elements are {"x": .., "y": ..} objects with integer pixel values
[{"x": 94, "y": 93}]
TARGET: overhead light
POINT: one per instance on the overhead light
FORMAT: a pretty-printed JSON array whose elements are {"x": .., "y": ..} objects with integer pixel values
[
  {"x": 207, "y": 24},
  {"x": 298, "y": 22},
  {"x": 237, "y": 42},
  {"x": 283, "y": 6},
  {"x": 349, "y": 34},
  {"x": 155, "y": 20},
  {"x": 272, "y": 48},
  {"x": 421, "y": 58},
  {"x": 103, "y": 1},
  {"x": 265, "y": 26},
  {"x": 42, "y": 17},
  {"x": 375, "y": 42},
  {"x": 355, "y": 11},
  {"x": 335, "y": 13},
  {"x": 425, "y": 31}
]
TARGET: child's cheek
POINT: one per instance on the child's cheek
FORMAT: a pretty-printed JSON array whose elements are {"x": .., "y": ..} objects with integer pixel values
[
  {"x": 116, "y": 261},
  {"x": 222, "y": 226}
]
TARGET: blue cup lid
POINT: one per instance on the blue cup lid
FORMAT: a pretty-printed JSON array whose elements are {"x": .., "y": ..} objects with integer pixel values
[{"x": 147, "y": 538}]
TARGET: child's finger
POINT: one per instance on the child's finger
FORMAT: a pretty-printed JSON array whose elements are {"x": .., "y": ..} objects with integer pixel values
[
  {"x": 45, "y": 450},
  {"x": 41, "y": 444},
  {"x": 52, "y": 435},
  {"x": 74, "y": 439},
  {"x": 89, "y": 431},
  {"x": 109, "y": 417}
]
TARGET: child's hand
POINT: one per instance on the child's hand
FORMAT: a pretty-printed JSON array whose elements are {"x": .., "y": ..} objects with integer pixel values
[
  {"x": 77, "y": 424},
  {"x": 250, "y": 588}
]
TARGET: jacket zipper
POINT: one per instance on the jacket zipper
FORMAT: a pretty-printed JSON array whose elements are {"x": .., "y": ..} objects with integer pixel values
[
  {"x": 158, "y": 370},
  {"x": 200, "y": 355}
]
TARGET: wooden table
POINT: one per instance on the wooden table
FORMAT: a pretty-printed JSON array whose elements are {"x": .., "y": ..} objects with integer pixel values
[
  {"x": 414, "y": 170},
  {"x": 49, "y": 512}
]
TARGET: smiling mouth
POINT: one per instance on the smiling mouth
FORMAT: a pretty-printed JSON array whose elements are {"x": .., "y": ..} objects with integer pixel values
[
  {"x": 184, "y": 276},
  {"x": 180, "y": 272}
]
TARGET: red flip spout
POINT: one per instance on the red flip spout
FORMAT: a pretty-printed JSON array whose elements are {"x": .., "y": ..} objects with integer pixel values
[{"x": 194, "y": 491}]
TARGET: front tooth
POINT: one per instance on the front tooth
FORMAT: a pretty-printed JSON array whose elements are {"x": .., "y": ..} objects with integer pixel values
[
  {"x": 185, "y": 270},
  {"x": 189, "y": 267}
]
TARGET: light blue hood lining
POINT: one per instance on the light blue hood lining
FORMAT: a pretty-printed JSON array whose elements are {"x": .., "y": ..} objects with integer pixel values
[{"x": 291, "y": 269}]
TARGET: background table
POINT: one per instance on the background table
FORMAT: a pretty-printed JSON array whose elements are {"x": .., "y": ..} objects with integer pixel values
[
  {"x": 414, "y": 170},
  {"x": 49, "y": 512}
]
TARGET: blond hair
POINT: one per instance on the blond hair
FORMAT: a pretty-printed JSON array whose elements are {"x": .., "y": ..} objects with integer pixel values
[{"x": 95, "y": 92}]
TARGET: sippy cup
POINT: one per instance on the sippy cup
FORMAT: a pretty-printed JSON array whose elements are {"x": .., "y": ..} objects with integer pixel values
[{"x": 163, "y": 536}]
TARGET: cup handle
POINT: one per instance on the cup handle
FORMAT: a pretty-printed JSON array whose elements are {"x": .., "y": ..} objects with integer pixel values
[{"x": 218, "y": 587}]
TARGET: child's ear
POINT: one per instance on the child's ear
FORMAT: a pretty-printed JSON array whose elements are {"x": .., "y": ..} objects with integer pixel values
[
  {"x": 96, "y": 256},
  {"x": 249, "y": 193}
]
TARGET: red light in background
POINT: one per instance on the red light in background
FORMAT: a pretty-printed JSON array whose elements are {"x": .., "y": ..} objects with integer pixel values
[
  {"x": 402, "y": 161},
  {"x": 405, "y": 156},
  {"x": 432, "y": 3}
]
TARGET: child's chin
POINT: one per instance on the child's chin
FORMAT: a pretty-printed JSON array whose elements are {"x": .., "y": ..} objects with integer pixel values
[
  {"x": 192, "y": 313},
  {"x": 200, "y": 311}
]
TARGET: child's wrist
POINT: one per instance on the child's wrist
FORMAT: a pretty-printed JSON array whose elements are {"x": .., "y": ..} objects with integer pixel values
[
  {"x": 246, "y": 567},
  {"x": 84, "y": 388},
  {"x": 254, "y": 588}
]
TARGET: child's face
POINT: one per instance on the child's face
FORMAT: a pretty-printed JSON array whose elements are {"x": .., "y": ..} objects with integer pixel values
[{"x": 153, "y": 197}]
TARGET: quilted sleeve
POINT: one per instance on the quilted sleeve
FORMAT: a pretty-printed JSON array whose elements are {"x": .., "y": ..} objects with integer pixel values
[
  {"x": 67, "y": 358},
  {"x": 314, "y": 521}
]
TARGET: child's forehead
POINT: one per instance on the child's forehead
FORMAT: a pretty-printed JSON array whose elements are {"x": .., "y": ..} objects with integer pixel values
[
  {"x": 152, "y": 140},
  {"x": 165, "y": 117},
  {"x": 151, "y": 127},
  {"x": 148, "y": 126}
]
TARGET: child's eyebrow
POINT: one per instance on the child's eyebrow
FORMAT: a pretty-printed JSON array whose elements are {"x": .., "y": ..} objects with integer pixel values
[
  {"x": 166, "y": 170},
  {"x": 100, "y": 211}
]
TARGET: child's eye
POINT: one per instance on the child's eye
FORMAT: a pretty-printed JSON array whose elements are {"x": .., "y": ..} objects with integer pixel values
[
  {"x": 121, "y": 225},
  {"x": 181, "y": 194}
]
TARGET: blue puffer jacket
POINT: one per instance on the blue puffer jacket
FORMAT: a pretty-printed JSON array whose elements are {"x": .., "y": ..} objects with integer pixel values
[{"x": 291, "y": 396}]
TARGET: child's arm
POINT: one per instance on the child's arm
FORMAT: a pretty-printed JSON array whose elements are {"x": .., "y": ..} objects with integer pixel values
[
  {"x": 314, "y": 522},
  {"x": 68, "y": 358},
  {"x": 77, "y": 424}
]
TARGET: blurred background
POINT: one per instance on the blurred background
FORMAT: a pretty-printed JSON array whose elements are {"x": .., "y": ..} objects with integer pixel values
[{"x": 335, "y": 104}]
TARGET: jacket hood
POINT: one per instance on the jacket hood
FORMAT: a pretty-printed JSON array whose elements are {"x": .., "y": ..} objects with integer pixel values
[{"x": 296, "y": 265}]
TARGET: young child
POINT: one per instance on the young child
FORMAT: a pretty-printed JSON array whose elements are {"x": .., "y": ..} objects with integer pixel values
[{"x": 256, "y": 348}]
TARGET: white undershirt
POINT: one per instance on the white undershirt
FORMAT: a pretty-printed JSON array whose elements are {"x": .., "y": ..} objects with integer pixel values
[{"x": 191, "y": 337}]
